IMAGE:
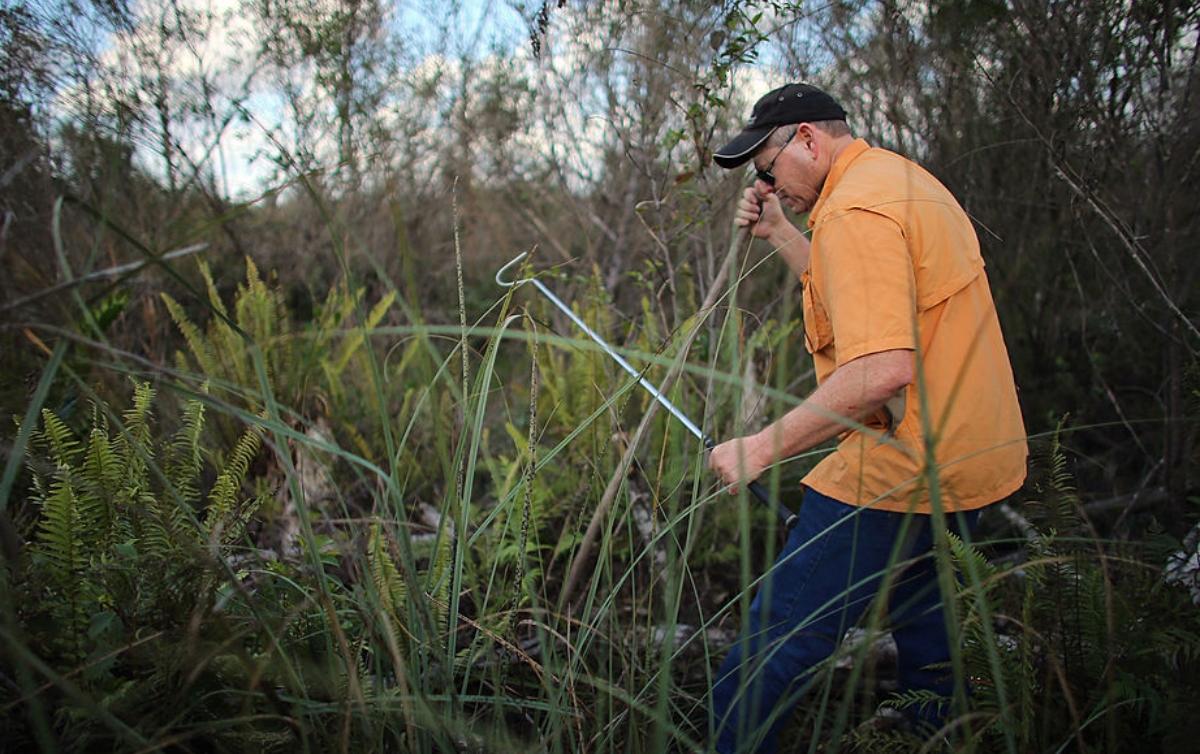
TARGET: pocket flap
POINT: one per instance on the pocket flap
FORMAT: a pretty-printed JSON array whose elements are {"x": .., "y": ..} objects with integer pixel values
[{"x": 818, "y": 332}]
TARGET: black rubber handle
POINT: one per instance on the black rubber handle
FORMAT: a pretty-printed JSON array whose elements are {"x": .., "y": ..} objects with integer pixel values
[{"x": 760, "y": 492}]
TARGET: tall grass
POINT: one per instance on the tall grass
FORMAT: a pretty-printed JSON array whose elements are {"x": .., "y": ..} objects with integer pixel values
[{"x": 387, "y": 572}]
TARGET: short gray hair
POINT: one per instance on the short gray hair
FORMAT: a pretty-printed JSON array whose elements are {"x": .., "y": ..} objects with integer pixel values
[
  {"x": 783, "y": 134},
  {"x": 835, "y": 128}
]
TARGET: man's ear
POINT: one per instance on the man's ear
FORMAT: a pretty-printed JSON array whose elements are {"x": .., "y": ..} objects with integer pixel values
[{"x": 807, "y": 135}]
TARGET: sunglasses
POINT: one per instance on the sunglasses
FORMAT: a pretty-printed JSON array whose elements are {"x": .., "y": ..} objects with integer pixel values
[{"x": 766, "y": 175}]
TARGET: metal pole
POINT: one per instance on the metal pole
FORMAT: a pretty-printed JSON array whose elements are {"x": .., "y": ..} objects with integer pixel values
[{"x": 756, "y": 489}]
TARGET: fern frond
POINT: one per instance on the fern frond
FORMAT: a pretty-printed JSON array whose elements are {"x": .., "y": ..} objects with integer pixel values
[
  {"x": 183, "y": 463},
  {"x": 914, "y": 699},
  {"x": 137, "y": 417},
  {"x": 133, "y": 445},
  {"x": 214, "y": 298},
  {"x": 393, "y": 594},
  {"x": 59, "y": 438},
  {"x": 197, "y": 343},
  {"x": 69, "y": 512},
  {"x": 968, "y": 558},
  {"x": 261, "y": 314},
  {"x": 1064, "y": 498},
  {"x": 337, "y": 308},
  {"x": 101, "y": 467},
  {"x": 224, "y": 494},
  {"x": 244, "y": 514},
  {"x": 59, "y": 529},
  {"x": 102, "y": 480},
  {"x": 167, "y": 523},
  {"x": 66, "y": 554},
  {"x": 1059, "y": 508},
  {"x": 354, "y": 341},
  {"x": 162, "y": 523},
  {"x": 439, "y": 577}
]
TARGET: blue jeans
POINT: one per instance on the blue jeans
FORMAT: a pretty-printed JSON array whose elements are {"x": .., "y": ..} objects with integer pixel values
[{"x": 823, "y": 581}]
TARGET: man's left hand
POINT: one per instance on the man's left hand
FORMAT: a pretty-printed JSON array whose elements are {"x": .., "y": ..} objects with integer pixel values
[{"x": 737, "y": 461}]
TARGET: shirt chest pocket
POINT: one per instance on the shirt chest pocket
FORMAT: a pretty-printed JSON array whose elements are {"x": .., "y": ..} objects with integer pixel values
[{"x": 818, "y": 332}]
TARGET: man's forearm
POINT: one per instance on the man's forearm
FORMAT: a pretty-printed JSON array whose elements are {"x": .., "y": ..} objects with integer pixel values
[
  {"x": 793, "y": 246},
  {"x": 852, "y": 393}
]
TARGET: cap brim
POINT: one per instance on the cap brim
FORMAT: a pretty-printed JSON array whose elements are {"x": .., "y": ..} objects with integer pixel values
[{"x": 742, "y": 148}]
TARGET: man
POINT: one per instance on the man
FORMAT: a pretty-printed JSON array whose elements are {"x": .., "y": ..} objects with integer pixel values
[{"x": 912, "y": 372}]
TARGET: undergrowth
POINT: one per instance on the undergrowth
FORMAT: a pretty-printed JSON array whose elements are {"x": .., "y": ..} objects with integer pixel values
[{"x": 312, "y": 537}]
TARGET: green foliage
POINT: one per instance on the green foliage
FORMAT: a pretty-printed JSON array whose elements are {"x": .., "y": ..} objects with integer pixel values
[
  {"x": 153, "y": 572},
  {"x": 66, "y": 521},
  {"x": 1096, "y": 651},
  {"x": 389, "y": 587},
  {"x": 118, "y": 553},
  {"x": 155, "y": 587},
  {"x": 224, "y": 351},
  {"x": 226, "y": 519},
  {"x": 305, "y": 369}
]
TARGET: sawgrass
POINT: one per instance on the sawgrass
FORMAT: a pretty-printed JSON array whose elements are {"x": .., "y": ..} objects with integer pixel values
[{"x": 376, "y": 625}]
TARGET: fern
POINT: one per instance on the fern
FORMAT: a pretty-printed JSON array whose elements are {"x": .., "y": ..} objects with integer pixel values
[
  {"x": 67, "y": 559},
  {"x": 355, "y": 340},
  {"x": 168, "y": 523},
  {"x": 1016, "y": 667},
  {"x": 439, "y": 578},
  {"x": 57, "y": 436},
  {"x": 223, "y": 517},
  {"x": 968, "y": 559},
  {"x": 103, "y": 477},
  {"x": 102, "y": 469},
  {"x": 389, "y": 586},
  {"x": 918, "y": 701},
  {"x": 220, "y": 350},
  {"x": 255, "y": 322},
  {"x": 1059, "y": 507},
  {"x": 133, "y": 446},
  {"x": 260, "y": 313},
  {"x": 1090, "y": 633},
  {"x": 183, "y": 462},
  {"x": 214, "y": 298},
  {"x": 196, "y": 342},
  {"x": 62, "y": 544}
]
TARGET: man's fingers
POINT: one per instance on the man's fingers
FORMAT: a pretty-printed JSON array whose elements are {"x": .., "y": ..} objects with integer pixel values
[
  {"x": 748, "y": 211},
  {"x": 752, "y": 209}
]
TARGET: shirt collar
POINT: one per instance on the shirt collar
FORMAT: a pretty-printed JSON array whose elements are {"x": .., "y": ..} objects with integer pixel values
[{"x": 848, "y": 155}]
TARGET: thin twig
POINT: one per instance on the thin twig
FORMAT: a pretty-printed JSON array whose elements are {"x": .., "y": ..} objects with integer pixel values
[{"x": 1068, "y": 176}]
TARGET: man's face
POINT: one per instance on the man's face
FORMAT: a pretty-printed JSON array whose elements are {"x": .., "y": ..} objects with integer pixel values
[{"x": 797, "y": 168}]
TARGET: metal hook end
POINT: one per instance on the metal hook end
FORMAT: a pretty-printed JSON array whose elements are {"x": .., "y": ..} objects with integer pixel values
[{"x": 504, "y": 269}]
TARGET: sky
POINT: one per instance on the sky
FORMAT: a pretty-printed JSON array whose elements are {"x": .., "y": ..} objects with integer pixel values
[{"x": 490, "y": 33}]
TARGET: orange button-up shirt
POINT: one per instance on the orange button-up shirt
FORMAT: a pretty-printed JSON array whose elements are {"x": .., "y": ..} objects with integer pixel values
[{"x": 895, "y": 264}]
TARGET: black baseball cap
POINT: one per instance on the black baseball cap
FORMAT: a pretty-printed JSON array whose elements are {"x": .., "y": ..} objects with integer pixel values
[{"x": 790, "y": 103}]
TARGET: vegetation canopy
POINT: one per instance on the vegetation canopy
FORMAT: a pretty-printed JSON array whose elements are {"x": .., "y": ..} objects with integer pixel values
[{"x": 285, "y": 470}]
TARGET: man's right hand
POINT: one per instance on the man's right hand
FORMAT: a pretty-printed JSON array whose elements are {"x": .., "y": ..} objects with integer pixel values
[{"x": 761, "y": 211}]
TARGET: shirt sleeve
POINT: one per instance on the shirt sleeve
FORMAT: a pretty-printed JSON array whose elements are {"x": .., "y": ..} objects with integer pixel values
[{"x": 867, "y": 284}]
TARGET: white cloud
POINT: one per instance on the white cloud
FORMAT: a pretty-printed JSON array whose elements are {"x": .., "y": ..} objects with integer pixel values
[{"x": 577, "y": 110}]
